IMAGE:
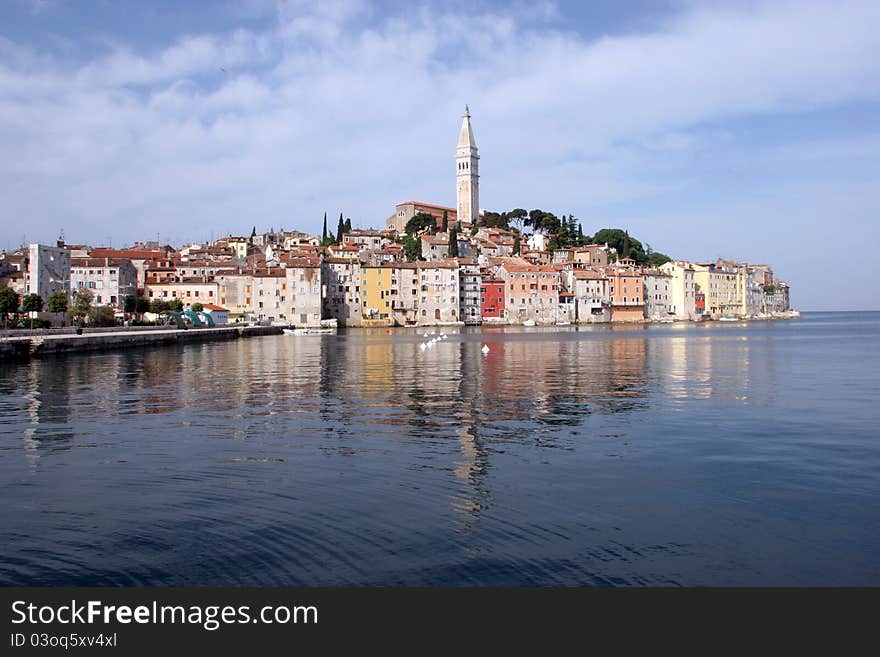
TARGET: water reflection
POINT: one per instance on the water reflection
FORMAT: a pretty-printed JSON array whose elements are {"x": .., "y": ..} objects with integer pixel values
[{"x": 256, "y": 457}]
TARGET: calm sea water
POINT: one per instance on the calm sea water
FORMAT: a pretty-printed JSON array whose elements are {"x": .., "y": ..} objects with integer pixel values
[{"x": 725, "y": 454}]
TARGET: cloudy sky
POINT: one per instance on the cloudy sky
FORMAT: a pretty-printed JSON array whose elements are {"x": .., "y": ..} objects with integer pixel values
[{"x": 747, "y": 130}]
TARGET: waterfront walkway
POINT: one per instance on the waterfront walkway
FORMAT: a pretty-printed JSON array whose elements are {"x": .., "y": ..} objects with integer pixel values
[{"x": 48, "y": 343}]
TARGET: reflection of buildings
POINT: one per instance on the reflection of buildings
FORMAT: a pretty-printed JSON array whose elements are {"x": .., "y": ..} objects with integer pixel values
[{"x": 441, "y": 416}]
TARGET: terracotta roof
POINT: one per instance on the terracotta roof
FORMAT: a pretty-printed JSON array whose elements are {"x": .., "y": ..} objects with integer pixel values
[
  {"x": 439, "y": 264},
  {"x": 587, "y": 274},
  {"x": 98, "y": 262},
  {"x": 429, "y": 205},
  {"x": 529, "y": 268},
  {"x": 133, "y": 254}
]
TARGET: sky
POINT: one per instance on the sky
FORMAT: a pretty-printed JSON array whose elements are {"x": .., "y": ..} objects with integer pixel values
[{"x": 747, "y": 130}]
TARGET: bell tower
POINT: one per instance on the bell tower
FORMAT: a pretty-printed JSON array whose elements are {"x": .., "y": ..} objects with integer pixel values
[{"x": 467, "y": 173}]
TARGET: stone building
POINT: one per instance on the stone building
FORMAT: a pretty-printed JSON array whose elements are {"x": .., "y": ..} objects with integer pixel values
[
  {"x": 48, "y": 270},
  {"x": 109, "y": 280}
]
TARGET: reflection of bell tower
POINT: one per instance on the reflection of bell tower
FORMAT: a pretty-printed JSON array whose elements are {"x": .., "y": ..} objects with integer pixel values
[{"x": 467, "y": 175}]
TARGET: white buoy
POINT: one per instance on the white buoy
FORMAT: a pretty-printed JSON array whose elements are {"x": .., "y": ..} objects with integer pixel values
[{"x": 485, "y": 349}]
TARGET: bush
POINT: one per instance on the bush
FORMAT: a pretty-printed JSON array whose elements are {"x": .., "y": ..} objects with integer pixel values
[
  {"x": 38, "y": 323},
  {"x": 102, "y": 316}
]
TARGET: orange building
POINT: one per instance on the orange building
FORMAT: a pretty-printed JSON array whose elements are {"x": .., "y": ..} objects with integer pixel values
[{"x": 626, "y": 292}]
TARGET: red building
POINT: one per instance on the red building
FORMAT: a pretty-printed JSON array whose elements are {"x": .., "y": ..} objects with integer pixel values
[{"x": 492, "y": 299}]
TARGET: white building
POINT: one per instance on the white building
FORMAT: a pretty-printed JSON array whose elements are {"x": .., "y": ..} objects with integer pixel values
[
  {"x": 342, "y": 292},
  {"x": 218, "y": 314},
  {"x": 681, "y": 290},
  {"x": 657, "y": 294},
  {"x": 109, "y": 280}
]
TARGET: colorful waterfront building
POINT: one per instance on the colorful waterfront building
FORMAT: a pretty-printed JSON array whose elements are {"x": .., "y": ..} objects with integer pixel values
[
  {"x": 492, "y": 297},
  {"x": 626, "y": 291},
  {"x": 375, "y": 293},
  {"x": 532, "y": 292},
  {"x": 438, "y": 293}
]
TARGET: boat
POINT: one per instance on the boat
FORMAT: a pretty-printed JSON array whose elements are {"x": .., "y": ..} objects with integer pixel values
[
  {"x": 727, "y": 318},
  {"x": 563, "y": 323},
  {"x": 307, "y": 331},
  {"x": 529, "y": 322},
  {"x": 666, "y": 320}
]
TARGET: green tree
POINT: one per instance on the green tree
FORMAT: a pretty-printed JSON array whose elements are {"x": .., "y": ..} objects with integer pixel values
[
  {"x": 143, "y": 305},
  {"x": 582, "y": 241},
  {"x": 453, "y": 243},
  {"x": 324, "y": 233},
  {"x": 656, "y": 259},
  {"x": 621, "y": 240},
  {"x": 102, "y": 316},
  {"x": 129, "y": 304},
  {"x": 197, "y": 307},
  {"x": 419, "y": 222},
  {"x": 340, "y": 229},
  {"x": 348, "y": 224},
  {"x": 517, "y": 245},
  {"x": 445, "y": 221},
  {"x": 82, "y": 303},
  {"x": 158, "y": 306},
  {"x": 517, "y": 217},
  {"x": 8, "y": 303},
  {"x": 57, "y": 302},
  {"x": 571, "y": 230},
  {"x": 495, "y": 220},
  {"x": 412, "y": 248},
  {"x": 175, "y": 305},
  {"x": 562, "y": 236},
  {"x": 32, "y": 303}
]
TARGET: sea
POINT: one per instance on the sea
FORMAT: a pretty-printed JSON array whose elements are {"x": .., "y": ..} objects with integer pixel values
[{"x": 710, "y": 454}]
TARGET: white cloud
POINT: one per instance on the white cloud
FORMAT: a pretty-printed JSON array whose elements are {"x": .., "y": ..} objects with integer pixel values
[{"x": 336, "y": 107}]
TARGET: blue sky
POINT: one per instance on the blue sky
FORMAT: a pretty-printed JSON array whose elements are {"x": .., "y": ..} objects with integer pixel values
[{"x": 747, "y": 130}]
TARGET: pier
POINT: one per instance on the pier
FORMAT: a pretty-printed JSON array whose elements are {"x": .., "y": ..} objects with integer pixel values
[{"x": 48, "y": 343}]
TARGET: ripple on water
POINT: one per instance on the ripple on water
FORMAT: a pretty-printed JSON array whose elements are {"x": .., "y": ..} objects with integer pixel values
[{"x": 662, "y": 456}]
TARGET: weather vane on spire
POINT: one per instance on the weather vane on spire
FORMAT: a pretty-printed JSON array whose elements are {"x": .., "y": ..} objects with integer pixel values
[{"x": 467, "y": 112}]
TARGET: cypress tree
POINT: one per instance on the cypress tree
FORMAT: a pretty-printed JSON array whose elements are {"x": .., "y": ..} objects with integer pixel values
[
  {"x": 445, "y": 221},
  {"x": 453, "y": 243},
  {"x": 348, "y": 224},
  {"x": 340, "y": 229},
  {"x": 516, "y": 245},
  {"x": 324, "y": 234},
  {"x": 562, "y": 234}
]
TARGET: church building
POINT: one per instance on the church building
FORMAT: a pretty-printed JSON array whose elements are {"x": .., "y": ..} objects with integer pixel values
[{"x": 467, "y": 187}]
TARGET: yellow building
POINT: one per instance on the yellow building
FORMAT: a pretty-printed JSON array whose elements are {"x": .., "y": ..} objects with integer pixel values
[
  {"x": 723, "y": 284},
  {"x": 376, "y": 292}
]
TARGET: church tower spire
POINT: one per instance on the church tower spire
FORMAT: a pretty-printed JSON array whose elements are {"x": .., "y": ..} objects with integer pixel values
[{"x": 467, "y": 174}]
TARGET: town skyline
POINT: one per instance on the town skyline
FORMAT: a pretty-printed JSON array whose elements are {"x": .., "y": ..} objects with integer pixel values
[{"x": 656, "y": 120}]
